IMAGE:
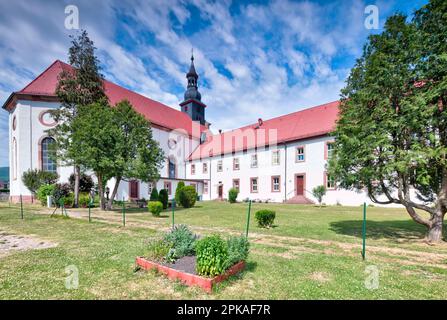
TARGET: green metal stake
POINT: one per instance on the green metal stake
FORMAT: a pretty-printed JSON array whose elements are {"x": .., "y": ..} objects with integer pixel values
[
  {"x": 21, "y": 207},
  {"x": 89, "y": 211},
  {"x": 124, "y": 213},
  {"x": 364, "y": 232},
  {"x": 248, "y": 218},
  {"x": 173, "y": 212}
]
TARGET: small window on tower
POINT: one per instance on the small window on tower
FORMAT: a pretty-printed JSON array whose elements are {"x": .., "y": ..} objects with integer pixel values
[{"x": 186, "y": 108}]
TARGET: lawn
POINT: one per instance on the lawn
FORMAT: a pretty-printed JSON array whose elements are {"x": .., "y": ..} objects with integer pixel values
[{"x": 311, "y": 253}]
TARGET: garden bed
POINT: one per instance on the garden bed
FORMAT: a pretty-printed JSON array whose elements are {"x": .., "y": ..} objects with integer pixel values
[{"x": 184, "y": 270}]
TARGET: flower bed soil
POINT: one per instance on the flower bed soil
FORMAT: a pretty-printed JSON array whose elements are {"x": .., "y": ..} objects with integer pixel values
[{"x": 184, "y": 270}]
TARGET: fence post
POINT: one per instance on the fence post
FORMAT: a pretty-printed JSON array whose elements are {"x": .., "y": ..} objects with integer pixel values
[
  {"x": 173, "y": 212},
  {"x": 124, "y": 213},
  {"x": 248, "y": 218},
  {"x": 21, "y": 207},
  {"x": 89, "y": 211},
  {"x": 364, "y": 232}
]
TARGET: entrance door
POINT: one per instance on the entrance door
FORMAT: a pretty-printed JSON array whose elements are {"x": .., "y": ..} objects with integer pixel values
[
  {"x": 300, "y": 185},
  {"x": 133, "y": 186},
  {"x": 220, "y": 191}
]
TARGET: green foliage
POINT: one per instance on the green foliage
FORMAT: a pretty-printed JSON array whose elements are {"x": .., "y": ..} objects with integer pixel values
[
  {"x": 179, "y": 188},
  {"x": 188, "y": 196},
  {"x": 158, "y": 249},
  {"x": 84, "y": 199},
  {"x": 155, "y": 207},
  {"x": 183, "y": 241},
  {"x": 232, "y": 195},
  {"x": 34, "y": 179},
  {"x": 238, "y": 249},
  {"x": 265, "y": 218},
  {"x": 61, "y": 191},
  {"x": 154, "y": 194},
  {"x": 212, "y": 255},
  {"x": 163, "y": 198},
  {"x": 319, "y": 192},
  {"x": 44, "y": 191},
  {"x": 85, "y": 182}
]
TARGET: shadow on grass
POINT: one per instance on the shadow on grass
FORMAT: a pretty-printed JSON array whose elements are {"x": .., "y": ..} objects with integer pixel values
[
  {"x": 250, "y": 266},
  {"x": 390, "y": 230}
]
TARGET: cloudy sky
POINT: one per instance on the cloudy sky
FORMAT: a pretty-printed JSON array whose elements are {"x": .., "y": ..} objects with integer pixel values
[{"x": 255, "y": 59}]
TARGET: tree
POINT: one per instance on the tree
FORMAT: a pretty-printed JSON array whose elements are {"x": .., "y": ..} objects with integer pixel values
[
  {"x": 391, "y": 135},
  {"x": 163, "y": 198},
  {"x": 154, "y": 194},
  {"x": 78, "y": 87},
  {"x": 34, "y": 179},
  {"x": 179, "y": 188},
  {"x": 96, "y": 137},
  {"x": 139, "y": 155},
  {"x": 319, "y": 192},
  {"x": 232, "y": 195},
  {"x": 188, "y": 196}
]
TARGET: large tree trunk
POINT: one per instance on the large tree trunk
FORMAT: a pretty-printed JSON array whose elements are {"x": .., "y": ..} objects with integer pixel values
[
  {"x": 114, "y": 192},
  {"x": 102, "y": 199},
  {"x": 435, "y": 229},
  {"x": 77, "y": 175}
]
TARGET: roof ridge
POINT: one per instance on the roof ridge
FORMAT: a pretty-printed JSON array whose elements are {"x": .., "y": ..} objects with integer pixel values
[{"x": 41, "y": 74}]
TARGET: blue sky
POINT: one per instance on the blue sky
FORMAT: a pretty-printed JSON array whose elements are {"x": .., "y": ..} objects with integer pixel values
[{"x": 255, "y": 59}]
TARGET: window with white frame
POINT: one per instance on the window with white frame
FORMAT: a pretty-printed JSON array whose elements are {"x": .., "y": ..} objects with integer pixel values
[
  {"x": 276, "y": 184},
  {"x": 330, "y": 149},
  {"x": 235, "y": 163},
  {"x": 330, "y": 182},
  {"x": 193, "y": 169},
  {"x": 219, "y": 166},
  {"x": 254, "y": 160},
  {"x": 48, "y": 155},
  {"x": 300, "y": 157},
  {"x": 254, "y": 185},
  {"x": 236, "y": 184},
  {"x": 205, "y": 167},
  {"x": 205, "y": 187},
  {"x": 150, "y": 187},
  {"x": 275, "y": 158}
]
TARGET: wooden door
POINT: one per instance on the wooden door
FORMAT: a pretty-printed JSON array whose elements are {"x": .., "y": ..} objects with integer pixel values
[
  {"x": 299, "y": 185},
  {"x": 133, "y": 192},
  {"x": 220, "y": 191}
]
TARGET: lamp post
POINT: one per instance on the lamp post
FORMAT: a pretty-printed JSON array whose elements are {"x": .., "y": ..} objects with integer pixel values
[{"x": 107, "y": 193}]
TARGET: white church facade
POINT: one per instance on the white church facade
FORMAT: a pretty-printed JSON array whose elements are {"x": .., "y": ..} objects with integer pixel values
[{"x": 276, "y": 160}]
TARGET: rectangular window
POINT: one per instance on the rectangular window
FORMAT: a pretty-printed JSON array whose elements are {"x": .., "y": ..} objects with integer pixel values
[
  {"x": 330, "y": 182},
  {"x": 235, "y": 163},
  {"x": 275, "y": 158},
  {"x": 193, "y": 169},
  {"x": 150, "y": 187},
  {"x": 254, "y": 160},
  {"x": 167, "y": 187},
  {"x": 329, "y": 149},
  {"x": 254, "y": 185},
  {"x": 205, "y": 187},
  {"x": 276, "y": 184},
  {"x": 219, "y": 166},
  {"x": 194, "y": 185},
  {"x": 300, "y": 157},
  {"x": 236, "y": 184},
  {"x": 205, "y": 168}
]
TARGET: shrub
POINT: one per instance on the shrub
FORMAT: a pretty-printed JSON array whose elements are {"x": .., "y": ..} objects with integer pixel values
[
  {"x": 212, "y": 254},
  {"x": 155, "y": 207},
  {"x": 188, "y": 196},
  {"x": 265, "y": 218},
  {"x": 163, "y": 198},
  {"x": 158, "y": 249},
  {"x": 85, "y": 182},
  {"x": 154, "y": 195},
  {"x": 34, "y": 179},
  {"x": 183, "y": 241},
  {"x": 180, "y": 186},
  {"x": 318, "y": 192},
  {"x": 232, "y": 195},
  {"x": 84, "y": 199},
  {"x": 61, "y": 191},
  {"x": 238, "y": 248},
  {"x": 44, "y": 191}
]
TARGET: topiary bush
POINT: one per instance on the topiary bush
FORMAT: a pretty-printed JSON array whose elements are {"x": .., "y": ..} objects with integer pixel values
[
  {"x": 265, "y": 218},
  {"x": 154, "y": 194},
  {"x": 155, "y": 207},
  {"x": 163, "y": 198},
  {"x": 188, "y": 197},
  {"x": 238, "y": 249},
  {"x": 232, "y": 195},
  {"x": 43, "y": 192},
  {"x": 183, "y": 241},
  {"x": 212, "y": 256},
  {"x": 179, "y": 188}
]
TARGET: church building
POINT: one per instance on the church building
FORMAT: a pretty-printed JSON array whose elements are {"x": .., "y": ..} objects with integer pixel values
[{"x": 274, "y": 160}]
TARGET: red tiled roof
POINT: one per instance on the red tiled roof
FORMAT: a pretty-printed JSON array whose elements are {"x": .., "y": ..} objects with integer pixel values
[
  {"x": 307, "y": 123},
  {"x": 159, "y": 114}
]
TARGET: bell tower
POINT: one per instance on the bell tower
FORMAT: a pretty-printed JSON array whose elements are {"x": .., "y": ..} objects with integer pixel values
[{"x": 192, "y": 104}]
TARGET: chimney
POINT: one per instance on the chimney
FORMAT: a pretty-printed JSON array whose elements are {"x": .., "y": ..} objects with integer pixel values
[{"x": 260, "y": 122}]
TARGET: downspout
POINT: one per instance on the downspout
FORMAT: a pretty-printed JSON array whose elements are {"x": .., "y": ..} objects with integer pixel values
[{"x": 209, "y": 181}]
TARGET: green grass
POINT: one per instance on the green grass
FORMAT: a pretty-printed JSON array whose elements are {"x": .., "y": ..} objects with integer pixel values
[{"x": 311, "y": 253}]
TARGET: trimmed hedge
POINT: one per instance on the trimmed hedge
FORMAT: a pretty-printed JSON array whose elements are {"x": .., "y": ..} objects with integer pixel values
[
  {"x": 232, "y": 195},
  {"x": 265, "y": 218},
  {"x": 188, "y": 196},
  {"x": 155, "y": 207},
  {"x": 163, "y": 198}
]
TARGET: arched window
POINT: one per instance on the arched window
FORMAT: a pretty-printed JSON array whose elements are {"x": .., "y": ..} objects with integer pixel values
[{"x": 48, "y": 159}]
